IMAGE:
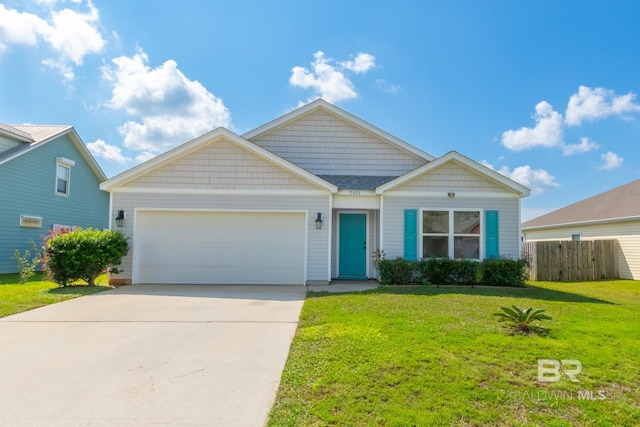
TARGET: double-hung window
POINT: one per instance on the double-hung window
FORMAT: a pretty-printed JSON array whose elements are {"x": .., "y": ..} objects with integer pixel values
[
  {"x": 63, "y": 175},
  {"x": 451, "y": 233}
]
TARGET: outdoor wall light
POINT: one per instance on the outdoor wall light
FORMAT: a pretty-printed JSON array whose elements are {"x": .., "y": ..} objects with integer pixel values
[
  {"x": 319, "y": 221},
  {"x": 120, "y": 218},
  {"x": 451, "y": 195}
]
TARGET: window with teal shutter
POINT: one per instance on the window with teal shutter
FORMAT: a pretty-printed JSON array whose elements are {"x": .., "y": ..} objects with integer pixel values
[
  {"x": 410, "y": 234},
  {"x": 491, "y": 234}
]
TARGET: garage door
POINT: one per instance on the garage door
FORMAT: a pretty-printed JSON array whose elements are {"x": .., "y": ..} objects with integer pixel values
[{"x": 220, "y": 247}]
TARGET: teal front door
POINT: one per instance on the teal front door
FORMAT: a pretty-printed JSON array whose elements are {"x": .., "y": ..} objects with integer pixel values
[{"x": 352, "y": 247}]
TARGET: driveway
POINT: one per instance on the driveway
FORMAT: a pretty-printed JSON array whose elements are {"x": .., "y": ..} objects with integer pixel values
[{"x": 149, "y": 355}]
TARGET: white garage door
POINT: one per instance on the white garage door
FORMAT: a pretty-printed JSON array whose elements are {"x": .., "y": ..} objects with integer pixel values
[{"x": 220, "y": 247}]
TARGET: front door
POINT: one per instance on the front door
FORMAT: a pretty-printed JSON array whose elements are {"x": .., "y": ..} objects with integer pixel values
[{"x": 352, "y": 249}]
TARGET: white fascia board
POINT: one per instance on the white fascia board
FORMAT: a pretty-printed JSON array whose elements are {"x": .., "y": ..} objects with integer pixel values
[
  {"x": 465, "y": 161},
  {"x": 211, "y": 137},
  {"x": 322, "y": 104},
  {"x": 458, "y": 195},
  {"x": 241, "y": 192}
]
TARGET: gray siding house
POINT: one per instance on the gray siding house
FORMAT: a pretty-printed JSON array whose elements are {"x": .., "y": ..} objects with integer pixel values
[
  {"x": 50, "y": 181},
  {"x": 614, "y": 214},
  {"x": 306, "y": 199}
]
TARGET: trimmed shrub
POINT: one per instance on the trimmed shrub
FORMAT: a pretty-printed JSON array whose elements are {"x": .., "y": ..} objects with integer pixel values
[
  {"x": 504, "y": 272},
  {"x": 82, "y": 254},
  {"x": 465, "y": 272},
  {"x": 442, "y": 271},
  {"x": 396, "y": 272},
  {"x": 436, "y": 271}
]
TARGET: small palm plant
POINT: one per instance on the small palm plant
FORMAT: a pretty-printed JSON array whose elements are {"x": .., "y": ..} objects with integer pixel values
[{"x": 522, "y": 320}]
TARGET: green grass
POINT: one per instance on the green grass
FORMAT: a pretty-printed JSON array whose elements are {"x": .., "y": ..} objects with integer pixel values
[
  {"x": 16, "y": 297},
  {"x": 437, "y": 356}
]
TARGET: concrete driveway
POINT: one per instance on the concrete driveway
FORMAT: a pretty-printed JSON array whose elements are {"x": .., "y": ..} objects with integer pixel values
[{"x": 149, "y": 355}]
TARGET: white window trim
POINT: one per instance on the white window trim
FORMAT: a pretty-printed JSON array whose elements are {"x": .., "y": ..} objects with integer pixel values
[
  {"x": 451, "y": 236},
  {"x": 68, "y": 164}
]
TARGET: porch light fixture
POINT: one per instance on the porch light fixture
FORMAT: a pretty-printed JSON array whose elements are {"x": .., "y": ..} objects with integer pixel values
[
  {"x": 120, "y": 218},
  {"x": 319, "y": 221}
]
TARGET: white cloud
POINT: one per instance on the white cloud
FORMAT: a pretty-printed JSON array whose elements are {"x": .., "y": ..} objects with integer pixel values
[
  {"x": 585, "y": 145},
  {"x": 20, "y": 28},
  {"x": 72, "y": 35},
  {"x": 547, "y": 131},
  {"x": 170, "y": 109},
  {"x": 101, "y": 149},
  {"x": 592, "y": 104},
  {"x": 538, "y": 180},
  {"x": 330, "y": 81},
  {"x": 387, "y": 87},
  {"x": 611, "y": 160},
  {"x": 144, "y": 156},
  {"x": 362, "y": 63}
]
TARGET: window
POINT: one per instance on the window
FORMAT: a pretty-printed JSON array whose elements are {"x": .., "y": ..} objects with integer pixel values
[
  {"x": 63, "y": 175},
  {"x": 576, "y": 237},
  {"x": 451, "y": 234}
]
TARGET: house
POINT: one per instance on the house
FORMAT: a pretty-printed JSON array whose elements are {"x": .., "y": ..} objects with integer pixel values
[
  {"x": 50, "y": 181},
  {"x": 614, "y": 214},
  {"x": 305, "y": 199}
]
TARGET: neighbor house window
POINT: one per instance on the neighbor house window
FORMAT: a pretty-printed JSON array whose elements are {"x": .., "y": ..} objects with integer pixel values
[
  {"x": 451, "y": 234},
  {"x": 576, "y": 237},
  {"x": 63, "y": 175}
]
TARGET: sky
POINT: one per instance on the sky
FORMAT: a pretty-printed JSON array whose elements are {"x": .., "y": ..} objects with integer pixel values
[{"x": 543, "y": 92}]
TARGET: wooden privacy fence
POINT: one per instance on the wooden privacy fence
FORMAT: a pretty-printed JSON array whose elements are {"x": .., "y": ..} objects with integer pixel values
[{"x": 568, "y": 261}]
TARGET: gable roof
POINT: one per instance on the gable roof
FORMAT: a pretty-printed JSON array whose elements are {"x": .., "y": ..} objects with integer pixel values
[
  {"x": 619, "y": 203},
  {"x": 194, "y": 144},
  {"x": 454, "y": 156},
  {"x": 34, "y": 136},
  {"x": 357, "y": 182},
  {"x": 321, "y": 104}
]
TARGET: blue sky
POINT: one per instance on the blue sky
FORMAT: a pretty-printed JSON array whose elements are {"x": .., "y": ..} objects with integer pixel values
[{"x": 544, "y": 92}]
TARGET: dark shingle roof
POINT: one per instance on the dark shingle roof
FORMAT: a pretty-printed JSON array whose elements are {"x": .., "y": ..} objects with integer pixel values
[
  {"x": 621, "y": 202},
  {"x": 357, "y": 182}
]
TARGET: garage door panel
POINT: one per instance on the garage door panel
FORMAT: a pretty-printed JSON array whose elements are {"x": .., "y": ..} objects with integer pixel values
[{"x": 220, "y": 247}]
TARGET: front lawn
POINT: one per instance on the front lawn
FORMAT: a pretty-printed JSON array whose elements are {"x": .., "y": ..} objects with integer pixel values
[
  {"x": 16, "y": 297},
  {"x": 437, "y": 356}
]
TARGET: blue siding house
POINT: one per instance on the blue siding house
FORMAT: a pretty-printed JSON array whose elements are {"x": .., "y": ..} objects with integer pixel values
[{"x": 49, "y": 181}]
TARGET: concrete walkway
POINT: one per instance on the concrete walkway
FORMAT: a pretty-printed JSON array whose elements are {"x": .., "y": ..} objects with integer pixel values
[
  {"x": 339, "y": 286},
  {"x": 149, "y": 356}
]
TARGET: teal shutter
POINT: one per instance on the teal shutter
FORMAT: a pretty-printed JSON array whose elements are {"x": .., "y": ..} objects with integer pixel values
[
  {"x": 491, "y": 227},
  {"x": 410, "y": 234}
]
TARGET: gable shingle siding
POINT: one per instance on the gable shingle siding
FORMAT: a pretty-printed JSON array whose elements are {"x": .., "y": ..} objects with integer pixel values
[{"x": 327, "y": 145}]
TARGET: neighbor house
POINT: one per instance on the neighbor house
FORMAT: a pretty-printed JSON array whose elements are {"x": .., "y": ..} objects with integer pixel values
[
  {"x": 614, "y": 214},
  {"x": 306, "y": 198},
  {"x": 50, "y": 181}
]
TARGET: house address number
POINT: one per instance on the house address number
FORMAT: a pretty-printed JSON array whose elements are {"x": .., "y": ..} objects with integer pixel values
[{"x": 354, "y": 192}]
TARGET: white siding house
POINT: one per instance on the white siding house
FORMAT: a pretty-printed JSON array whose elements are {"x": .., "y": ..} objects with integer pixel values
[
  {"x": 304, "y": 199},
  {"x": 614, "y": 214}
]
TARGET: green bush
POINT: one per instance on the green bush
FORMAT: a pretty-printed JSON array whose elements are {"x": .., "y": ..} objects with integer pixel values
[
  {"x": 82, "y": 254},
  {"x": 465, "y": 272},
  {"x": 442, "y": 271},
  {"x": 504, "y": 272},
  {"x": 436, "y": 271},
  {"x": 396, "y": 272}
]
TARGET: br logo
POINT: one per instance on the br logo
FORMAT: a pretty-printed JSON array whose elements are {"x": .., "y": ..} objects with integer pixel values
[{"x": 551, "y": 370}]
